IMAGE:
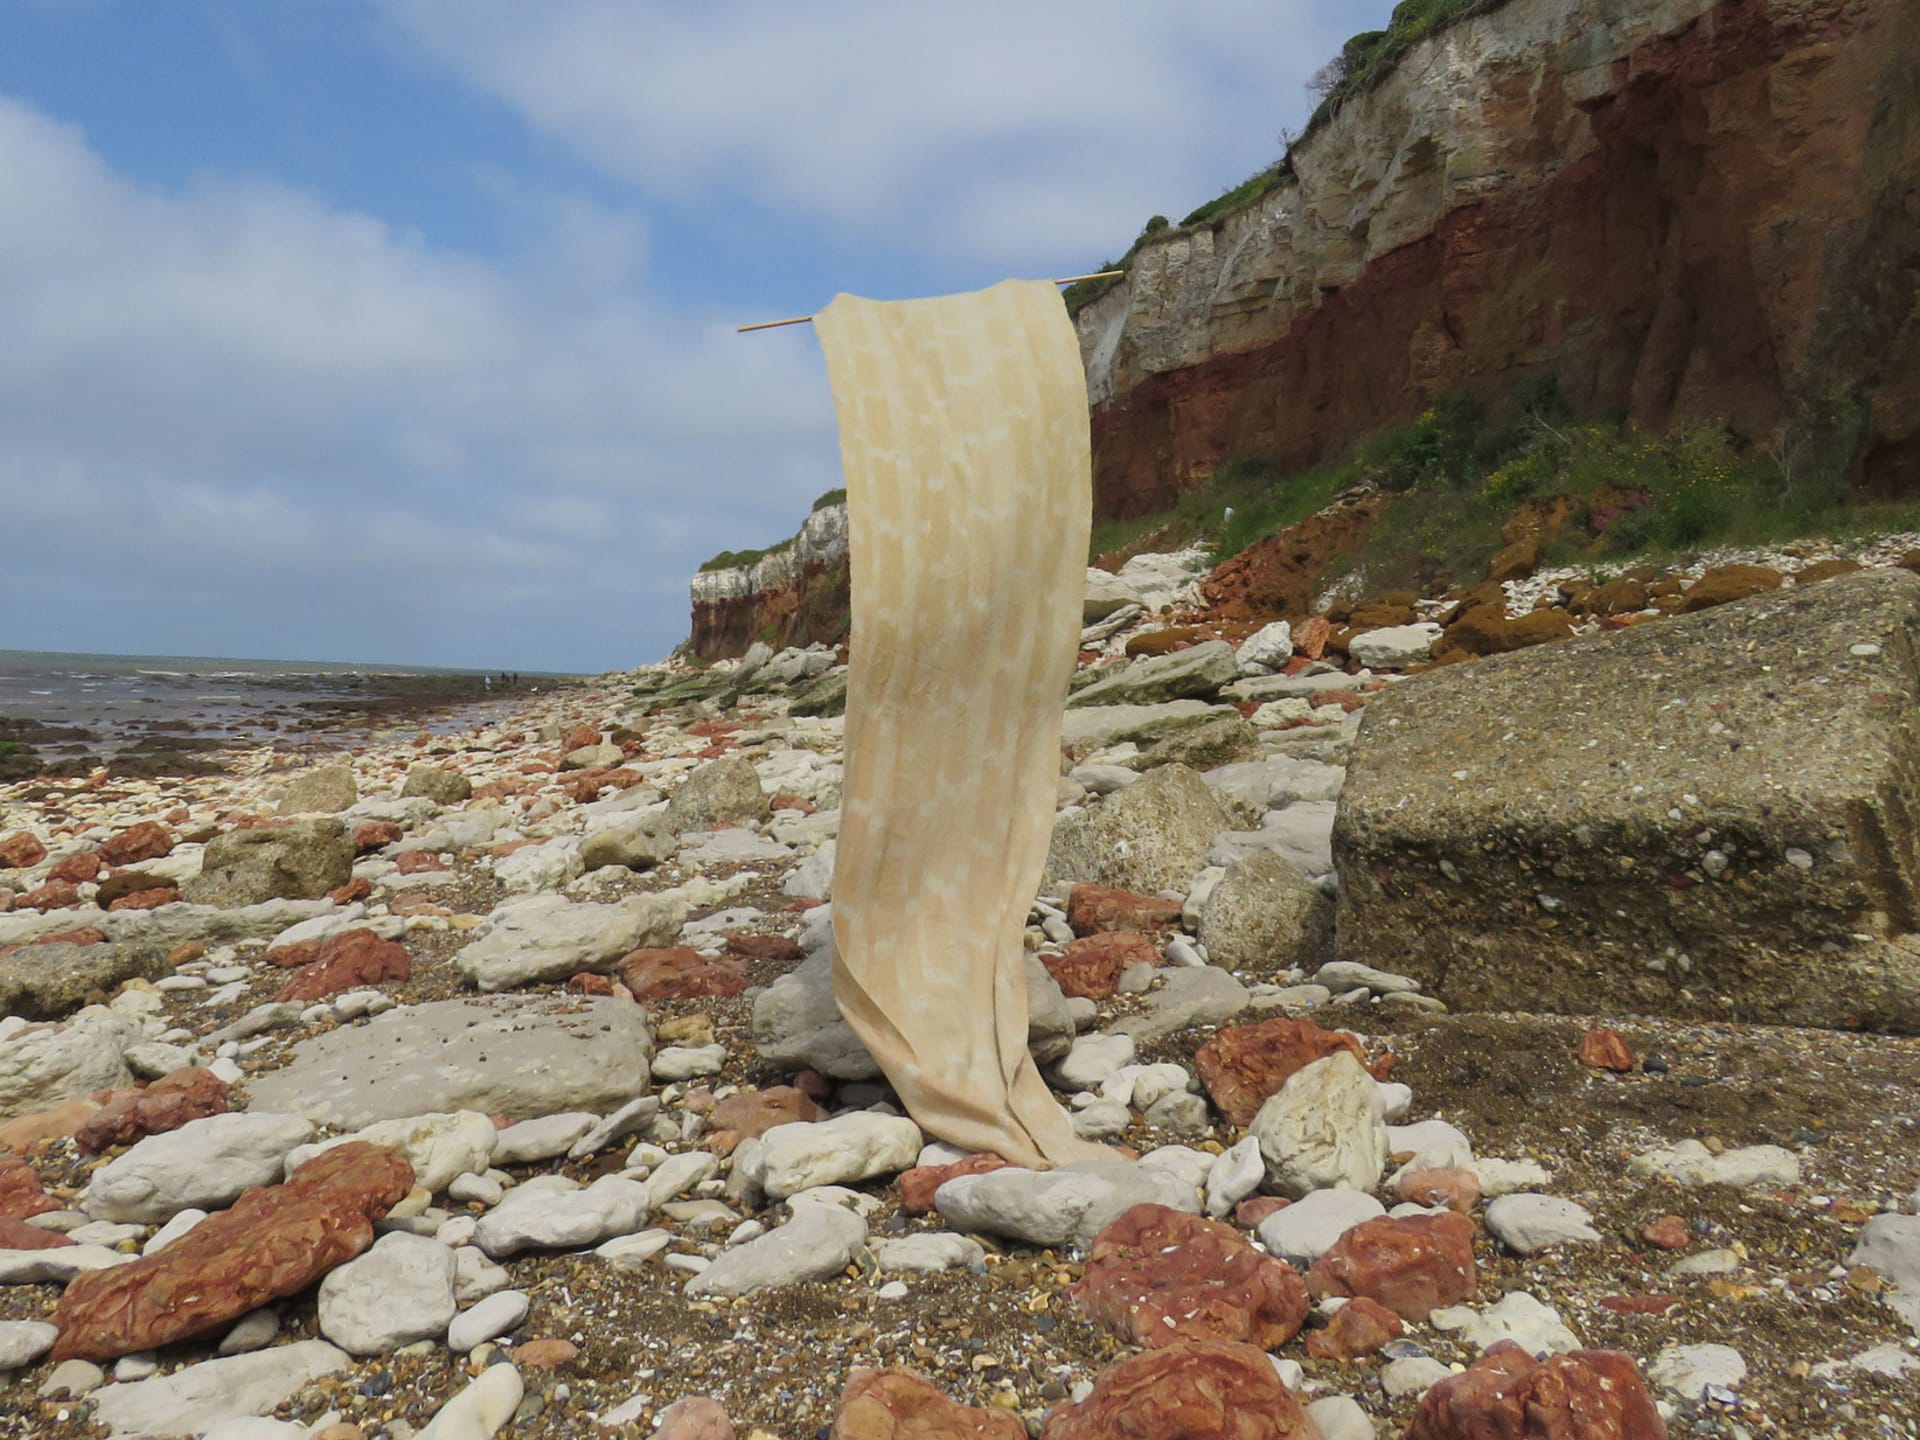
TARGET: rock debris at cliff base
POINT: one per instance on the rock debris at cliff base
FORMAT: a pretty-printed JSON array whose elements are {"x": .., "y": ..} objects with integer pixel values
[{"x": 562, "y": 1249}]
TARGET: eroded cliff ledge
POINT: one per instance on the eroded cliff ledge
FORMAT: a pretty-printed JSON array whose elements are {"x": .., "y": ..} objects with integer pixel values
[{"x": 1691, "y": 211}]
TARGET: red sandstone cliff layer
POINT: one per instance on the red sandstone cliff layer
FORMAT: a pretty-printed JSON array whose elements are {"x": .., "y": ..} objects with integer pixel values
[{"x": 1697, "y": 212}]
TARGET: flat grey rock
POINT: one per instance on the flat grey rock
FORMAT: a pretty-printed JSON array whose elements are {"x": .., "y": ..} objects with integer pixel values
[
  {"x": 1527, "y": 1224},
  {"x": 816, "y": 1244},
  {"x": 521, "y": 1056},
  {"x": 1308, "y": 1228},
  {"x": 1070, "y": 1205},
  {"x": 551, "y": 938},
  {"x": 205, "y": 1164},
  {"x": 533, "y": 1217},
  {"x": 1205, "y": 996},
  {"x": 399, "y": 1291},
  {"x": 191, "y": 1401}
]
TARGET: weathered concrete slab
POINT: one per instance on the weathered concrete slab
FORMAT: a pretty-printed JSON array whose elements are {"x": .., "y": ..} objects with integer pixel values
[{"x": 1709, "y": 816}]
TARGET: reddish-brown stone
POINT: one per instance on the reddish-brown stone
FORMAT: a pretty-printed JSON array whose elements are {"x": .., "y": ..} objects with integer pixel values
[
  {"x": 150, "y": 899},
  {"x": 1606, "y": 1050},
  {"x": 79, "y": 868},
  {"x": 418, "y": 862},
  {"x": 20, "y": 1235},
  {"x": 1249, "y": 1213},
  {"x": 351, "y": 960},
  {"x": 1091, "y": 968},
  {"x": 588, "y": 983},
  {"x": 375, "y": 835},
  {"x": 1411, "y": 1266},
  {"x": 1669, "y": 1232},
  {"x": 31, "y": 1133},
  {"x": 21, "y": 849},
  {"x": 54, "y": 895},
  {"x": 680, "y": 973},
  {"x": 149, "y": 840},
  {"x": 1193, "y": 1390},
  {"x": 549, "y": 1354},
  {"x": 293, "y": 956},
  {"x": 358, "y": 888},
  {"x": 274, "y": 1241},
  {"x": 750, "y": 1115},
  {"x": 1094, "y": 909},
  {"x": 1359, "y": 1327},
  {"x": 1508, "y": 1395},
  {"x": 166, "y": 1104},
  {"x": 918, "y": 1184},
  {"x": 21, "y": 1193},
  {"x": 1456, "y": 1189},
  {"x": 898, "y": 1404},
  {"x": 778, "y": 949},
  {"x": 1156, "y": 1276},
  {"x": 787, "y": 801},
  {"x": 1726, "y": 583},
  {"x": 1244, "y": 1065},
  {"x": 695, "y": 1417},
  {"x": 579, "y": 738}
]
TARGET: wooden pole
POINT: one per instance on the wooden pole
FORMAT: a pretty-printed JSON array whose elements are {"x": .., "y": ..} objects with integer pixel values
[{"x": 808, "y": 319}]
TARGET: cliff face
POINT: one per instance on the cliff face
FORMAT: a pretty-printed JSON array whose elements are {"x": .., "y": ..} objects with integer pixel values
[
  {"x": 1686, "y": 209},
  {"x": 792, "y": 596}
]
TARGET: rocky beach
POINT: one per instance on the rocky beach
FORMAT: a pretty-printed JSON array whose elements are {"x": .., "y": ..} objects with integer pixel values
[{"x": 488, "y": 1080}]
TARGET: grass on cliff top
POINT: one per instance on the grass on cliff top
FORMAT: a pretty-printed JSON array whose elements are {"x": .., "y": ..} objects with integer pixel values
[
  {"x": 1362, "y": 64},
  {"x": 1455, "y": 478}
]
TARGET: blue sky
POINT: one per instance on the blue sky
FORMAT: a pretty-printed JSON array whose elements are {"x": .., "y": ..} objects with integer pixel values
[{"x": 402, "y": 330}]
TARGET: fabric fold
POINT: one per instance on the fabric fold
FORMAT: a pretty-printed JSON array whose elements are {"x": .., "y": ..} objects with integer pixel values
[{"x": 965, "y": 441}]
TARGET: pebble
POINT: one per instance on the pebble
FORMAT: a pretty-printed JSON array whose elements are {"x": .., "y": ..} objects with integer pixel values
[
  {"x": 490, "y": 1318},
  {"x": 481, "y": 1410},
  {"x": 534, "y": 1216},
  {"x": 1686, "y": 1371},
  {"x": 1308, "y": 1228},
  {"x": 71, "y": 1379},
  {"x": 1527, "y": 1224},
  {"x": 1412, "y": 1376},
  {"x": 24, "y": 1341}
]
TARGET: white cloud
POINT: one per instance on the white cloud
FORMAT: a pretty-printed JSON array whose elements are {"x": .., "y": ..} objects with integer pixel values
[
  {"x": 301, "y": 430},
  {"x": 1000, "y": 130}
]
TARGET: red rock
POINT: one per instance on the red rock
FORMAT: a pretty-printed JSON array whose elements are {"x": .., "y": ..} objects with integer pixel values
[
  {"x": 778, "y": 949},
  {"x": 351, "y": 960},
  {"x": 750, "y": 1115},
  {"x": 544, "y": 1354},
  {"x": 21, "y": 1193},
  {"x": 1411, "y": 1266},
  {"x": 680, "y": 973},
  {"x": 85, "y": 935},
  {"x": 20, "y": 850},
  {"x": 1244, "y": 1065},
  {"x": 79, "y": 868},
  {"x": 1094, "y": 909},
  {"x": 898, "y": 1404},
  {"x": 1458, "y": 1190},
  {"x": 918, "y": 1184},
  {"x": 274, "y": 1241},
  {"x": 1507, "y": 1395},
  {"x": 1606, "y": 1050},
  {"x": 1156, "y": 1276},
  {"x": 31, "y": 1133},
  {"x": 1193, "y": 1390},
  {"x": 1669, "y": 1232},
  {"x": 1311, "y": 636},
  {"x": 785, "y": 801},
  {"x": 1359, "y": 1327},
  {"x": 375, "y": 835},
  {"x": 149, "y": 840},
  {"x": 291, "y": 957},
  {"x": 418, "y": 862},
  {"x": 358, "y": 888},
  {"x": 54, "y": 895},
  {"x": 19, "y": 1235},
  {"x": 579, "y": 738},
  {"x": 588, "y": 983},
  {"x": 146, "y": 899},
  {"x": 1639, "y": 1304},
  {"x": 186, "y": 952},
  {"x": 1091, "y": 968},
  {"x": 166, "y": 1104},
  {"x": 813, "y": 1085},
  {"x": 7, "y": 897},
  {"x": 694, "y": 1418},
  {"x": 1249, "y": 1213},
  {"x": 179, "y": 815}
]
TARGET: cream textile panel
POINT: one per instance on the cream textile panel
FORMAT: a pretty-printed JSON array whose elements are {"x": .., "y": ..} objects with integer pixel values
[{"x": 964, "y": 436}]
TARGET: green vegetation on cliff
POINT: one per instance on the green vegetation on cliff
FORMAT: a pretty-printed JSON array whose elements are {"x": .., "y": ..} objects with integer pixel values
[{"x": 1603, "y": 491}]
